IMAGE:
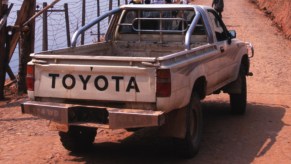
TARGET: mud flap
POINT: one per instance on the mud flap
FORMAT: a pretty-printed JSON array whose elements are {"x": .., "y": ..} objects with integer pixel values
[{"x": 175, "y": 124}]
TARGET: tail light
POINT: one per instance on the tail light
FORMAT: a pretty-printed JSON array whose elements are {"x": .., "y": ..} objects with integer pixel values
[
  {"x": 163, "y": 83},
  {"x": 30, "y": 78}
]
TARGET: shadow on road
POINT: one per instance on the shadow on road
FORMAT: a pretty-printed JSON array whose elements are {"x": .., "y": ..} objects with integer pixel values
[
  {"x": 12, "y": 102},
  {"x": 19, "y": 119},
  {"x": 226, "y": 139}
]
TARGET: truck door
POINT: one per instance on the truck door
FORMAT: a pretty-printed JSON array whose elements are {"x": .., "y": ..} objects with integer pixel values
[{"x": 225, "y": 50}]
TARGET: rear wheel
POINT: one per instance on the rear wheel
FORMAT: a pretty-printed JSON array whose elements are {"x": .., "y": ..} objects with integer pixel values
[
  {"x": 238, "y": 101},
  {"x": 190, "y": 144},
  {"x": 78, "y": 139}
]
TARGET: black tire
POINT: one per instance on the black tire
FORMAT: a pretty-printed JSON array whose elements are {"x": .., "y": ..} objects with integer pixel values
[
  {"x": 238, "y": 102},
  {"x": 190, "y": 144},
  {"x": 78, "y": 139}
]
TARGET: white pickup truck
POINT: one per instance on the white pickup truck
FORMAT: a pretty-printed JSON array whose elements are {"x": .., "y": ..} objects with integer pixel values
[{"x": 156, "y": 64}]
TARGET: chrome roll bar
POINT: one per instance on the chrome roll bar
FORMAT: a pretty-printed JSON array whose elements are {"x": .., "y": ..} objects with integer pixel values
[{"x": 191, "y": 29}]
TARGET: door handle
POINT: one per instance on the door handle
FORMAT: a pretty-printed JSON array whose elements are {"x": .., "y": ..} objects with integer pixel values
[{"x": 221, "y": 49}]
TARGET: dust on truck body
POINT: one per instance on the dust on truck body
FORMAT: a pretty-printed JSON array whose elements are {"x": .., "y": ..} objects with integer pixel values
[{"x": 156, "y": 64}]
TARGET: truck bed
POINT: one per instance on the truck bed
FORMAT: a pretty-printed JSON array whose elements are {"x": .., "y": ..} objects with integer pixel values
[{"x": 125, "y": 48}]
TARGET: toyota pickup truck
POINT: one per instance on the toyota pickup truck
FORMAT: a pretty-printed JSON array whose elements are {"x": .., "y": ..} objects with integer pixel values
[{"x": 155, "y": 65}]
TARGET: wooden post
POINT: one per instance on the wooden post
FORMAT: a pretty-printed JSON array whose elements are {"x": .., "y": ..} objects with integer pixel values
[
  {"x": 83, "y": 21},
  {"x": 23, "y": 59},
  {"x": 0, "y": 9},
  {"x": 26, "y": 45},
  {"x": 67, "y": 24},
  {"x": 3, "y": 56},
  {"x": 8, "y": 70},
  {"x": 44, "y": 30}
]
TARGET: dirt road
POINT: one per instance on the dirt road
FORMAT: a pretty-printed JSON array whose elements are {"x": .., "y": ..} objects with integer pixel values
[{"x": 263, "y": 135}]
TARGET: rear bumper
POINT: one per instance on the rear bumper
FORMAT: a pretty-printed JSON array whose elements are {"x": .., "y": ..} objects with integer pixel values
[{"x": 93, "y": 116}]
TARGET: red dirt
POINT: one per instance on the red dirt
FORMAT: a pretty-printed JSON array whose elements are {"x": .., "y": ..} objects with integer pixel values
[
  {"x": 279, "y": 11},
  {"x": 263, "y": 135}
]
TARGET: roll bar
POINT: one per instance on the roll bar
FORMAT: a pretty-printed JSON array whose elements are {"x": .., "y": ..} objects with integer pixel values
[{"x": 198, "y": 10}]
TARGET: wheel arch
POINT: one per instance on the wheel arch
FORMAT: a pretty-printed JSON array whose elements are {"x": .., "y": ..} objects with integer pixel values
[
  {"x": 242, "y": 69},
  {"x": 246, "y": 63},
  {"x": 199, "y": 86}
]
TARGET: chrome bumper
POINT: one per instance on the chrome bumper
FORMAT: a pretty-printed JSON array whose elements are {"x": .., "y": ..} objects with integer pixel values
[
  {"x": 100, "y": 117},
  {"x": 251, "y": 47}
]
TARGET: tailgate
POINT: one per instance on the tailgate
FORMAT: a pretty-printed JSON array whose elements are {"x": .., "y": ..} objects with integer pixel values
[{"x": 95, "y": 82}]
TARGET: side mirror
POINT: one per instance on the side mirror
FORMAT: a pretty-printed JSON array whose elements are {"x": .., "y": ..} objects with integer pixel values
[{"x": 232, "y": 34}]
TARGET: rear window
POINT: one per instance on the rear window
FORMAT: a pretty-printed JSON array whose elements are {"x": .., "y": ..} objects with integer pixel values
[{"x": 156, "y": 21}]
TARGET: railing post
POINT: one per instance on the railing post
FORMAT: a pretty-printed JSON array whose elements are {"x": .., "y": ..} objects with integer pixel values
[
  {"x": 67, "y": 24},
  {"x": 44, "y": 30},
  {"x": 98, "y": 25},
  {"x": 83, "y": 21}
]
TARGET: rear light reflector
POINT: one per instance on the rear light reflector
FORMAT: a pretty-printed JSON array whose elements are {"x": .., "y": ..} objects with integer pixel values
[
  {"x": 30, "y": 78},
  {"x": 163, "y": 83}
]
